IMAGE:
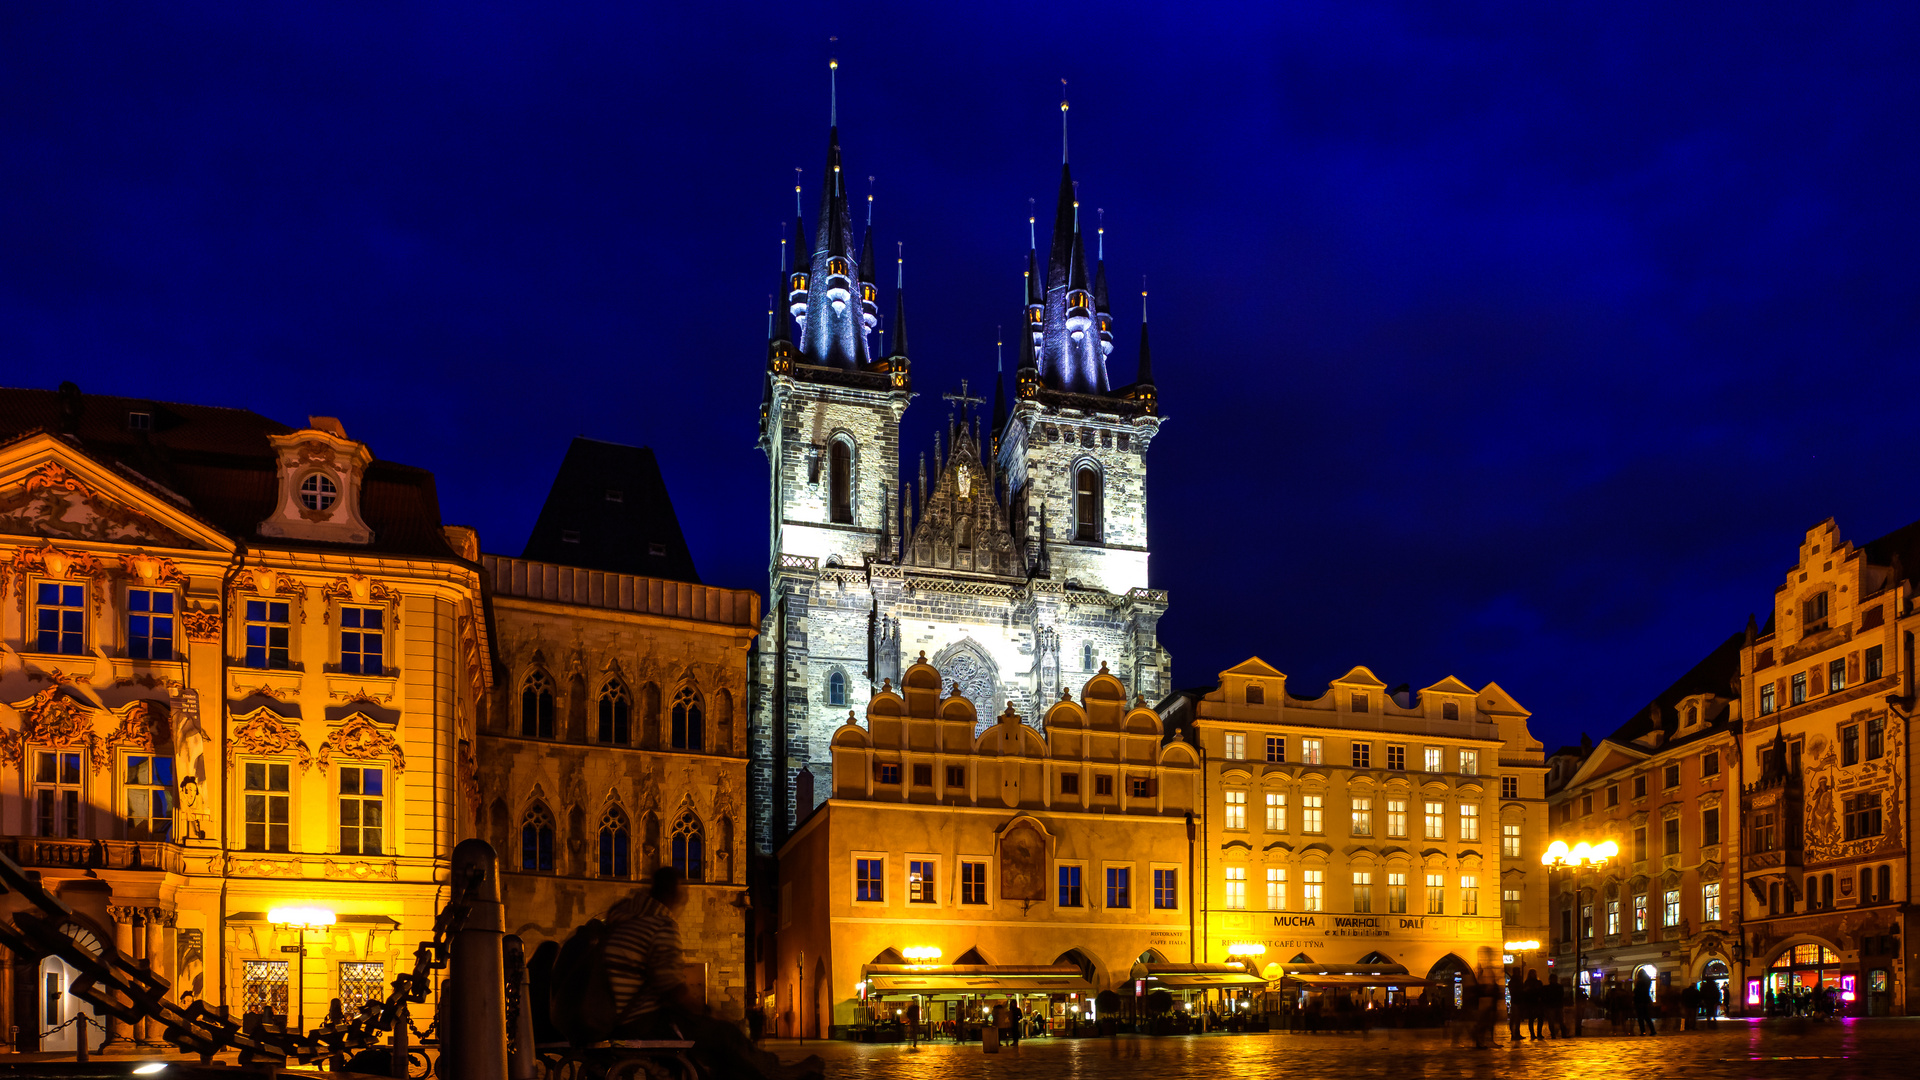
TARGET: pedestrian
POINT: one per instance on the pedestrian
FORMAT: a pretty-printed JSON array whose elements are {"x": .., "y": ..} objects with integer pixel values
[
  {"x": 1689, "y": 1006},
  {"x": 1643, "y": 1001},
  {"x": 913, "y": 1024},
  {"x": 1014, "y": 1017},
  {"x": 1532, "y": 996},
  {"x": 999, "y": 1023},
  {"x": 1514, "y": 989},
  {"x": 1554, "y": 1000},
  {"x": 1710, "y": 1001}
]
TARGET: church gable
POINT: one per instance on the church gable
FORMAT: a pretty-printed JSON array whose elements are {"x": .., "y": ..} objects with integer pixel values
[
  {"x": 962, "y": 526},
  {"x": 48, "y": 489}
]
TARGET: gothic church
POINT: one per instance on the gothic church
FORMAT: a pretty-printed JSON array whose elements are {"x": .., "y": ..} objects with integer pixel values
[{"x": 1015, "y": 561}]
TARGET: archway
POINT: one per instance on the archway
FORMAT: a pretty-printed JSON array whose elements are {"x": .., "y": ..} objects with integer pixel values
[
  {"x": 1376, "y": 957},
  {"x": 1152, "y": 956},
  {"x": 1797, "y": 972},
  {"x": 1451, "y": 976},
  {"x": 1714, "y": 977}
]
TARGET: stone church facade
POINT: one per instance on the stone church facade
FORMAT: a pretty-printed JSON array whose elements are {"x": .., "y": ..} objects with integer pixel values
[{"x": 1015, "y": 561}]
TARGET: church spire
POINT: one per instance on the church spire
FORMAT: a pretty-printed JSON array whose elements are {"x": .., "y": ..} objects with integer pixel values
[
  {"x": 899, "y": 307},
  {"x": 838, "y": 316}
]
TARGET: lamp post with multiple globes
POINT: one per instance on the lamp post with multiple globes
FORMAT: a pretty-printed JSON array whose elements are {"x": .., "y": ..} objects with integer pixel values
[{"x": 1560, "y": 857}]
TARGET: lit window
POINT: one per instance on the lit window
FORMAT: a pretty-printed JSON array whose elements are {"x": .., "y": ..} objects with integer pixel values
[
  {"x": 361, "y": 982},
  {"x": 1397, "y": 818},
  {"x": 1469, "y": 821},
  {"x": 1510, "y": 906},
  {"x": 1469, "y": 762},
  {"x": 1236, "y": 888},
  {"x": 1766, "y": 699},
  {"x": 1069, "y": 887},
  {"x": 1396, "y": 894},
  {"x": 1799, "y": 687},
  {"x": 361, "y": 792},
  {"x": 1434, "y": 758},
  {"x": 263, "y": 986},
  {"x": 920, "y": 881},
  {"x": 1613, "y": 917},
  {"x": 1363, "y": 817},
  {"x": 1363, "y": 892},
  {"x": 267, "y": 634},
  {"x": 1836, "y": 676},
  {"x": 1639, "y": 912},
  {"x": 1312, "y": 889},
  {"x": 1469, "y": 894},
  {"x": 1276, "y": 888},
  {"x": 363, "y": 640},
  {"x": 1362, "y": 755},
  {"x": 1436, "y": 821},
  {"x": 150, "y": 624},
  {"x": 1671, "y": 908},
  {"x": 1509, "y": 841},
  {"x": 1236, "y": 746},
  {"x": 1436, "y": 894},
  {"x": 1710, "y": 901},
  {"x": 1166, "y": 889},
  {"x": 868, "y": 884},
  {"x": 973, "y": 883},
  {"x": 317, "y": 492},
  {"x": 1236, "y": 809},
  {"x": 266, "y": 798},
  {"x": 61, "y": 616},
  {"x": 149, "y": 797},
  {"x": 1276, "y": 811},
  {"x": 1310, "y": 813},
  {"x": 1119, "y": 887},
  {"x": 56, "y": 792},
  {"x": 1310, "y": 752}
]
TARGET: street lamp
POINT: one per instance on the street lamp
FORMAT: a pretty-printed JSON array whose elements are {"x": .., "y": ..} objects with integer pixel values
[
  {"x": 300, "y": 920},
  {"x": 1559, "y": 857}
]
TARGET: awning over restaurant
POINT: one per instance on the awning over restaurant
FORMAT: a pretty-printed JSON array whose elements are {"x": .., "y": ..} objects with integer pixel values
[
  {"x": 1346, "y": 976},
  {"x": 1197, "y": 977},
  {"x": 883, "y": 979}
]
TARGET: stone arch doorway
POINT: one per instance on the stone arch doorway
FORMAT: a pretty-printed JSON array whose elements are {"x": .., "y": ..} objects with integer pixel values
[{"x": 1450, "y": 976}]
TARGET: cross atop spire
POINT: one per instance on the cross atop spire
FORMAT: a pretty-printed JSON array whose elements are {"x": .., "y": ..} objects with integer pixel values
[{"x": 963, "y": 399}]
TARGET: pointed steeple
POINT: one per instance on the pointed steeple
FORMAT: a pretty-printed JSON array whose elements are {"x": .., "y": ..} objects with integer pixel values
[
  {"x": 999, "y": 399},
  {"x": 837, "y": 317},
  {"x": 899, "y": 308}
]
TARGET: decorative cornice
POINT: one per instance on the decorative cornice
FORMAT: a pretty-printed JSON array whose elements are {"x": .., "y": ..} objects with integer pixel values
[
  {"x": 202, "y": 625},
  {"x": 53, "y": 476},
  {"x": 263, "y": 732},
  {"x": 360, "y": 739},
  {"x": 152, "y": 570},
  {"x": 143, "y": 726},
  {"x": 358, "y": 589}
]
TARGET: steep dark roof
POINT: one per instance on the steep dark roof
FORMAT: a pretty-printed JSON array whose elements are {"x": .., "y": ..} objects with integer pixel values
[
  {"x": 1715, "y": 674},
  {"x": 220, "y": 461},
  {"x": 609, "y": 510}
]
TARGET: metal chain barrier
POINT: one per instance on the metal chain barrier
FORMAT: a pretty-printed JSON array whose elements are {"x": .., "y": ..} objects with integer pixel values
[{"x": 126, "y": 990}]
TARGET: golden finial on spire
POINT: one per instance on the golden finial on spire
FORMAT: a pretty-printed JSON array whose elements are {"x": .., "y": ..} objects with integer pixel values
[{"x": 1063, "y": 122}]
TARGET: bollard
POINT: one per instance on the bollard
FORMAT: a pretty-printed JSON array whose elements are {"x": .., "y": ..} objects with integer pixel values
[
  {"x": 473, "y": 1021},
  {"x": 522, "y": 1055},
  {"x": 397, "y": 1061}
]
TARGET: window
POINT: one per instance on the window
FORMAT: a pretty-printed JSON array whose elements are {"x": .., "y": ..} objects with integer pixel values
[
  {"x": 1862, "y": 815},
  {"x": 569, "y": 536},
  {"x": 1672, "y": 776},
  {"x": 1397, "y": 818},
  {"x": 923, "y": 776},
  {"x": 1166, "y": 889},
  {"x": 1613, "y": 917},
  {"x": 1510, "y": 906},
  {"x": 263, "y": 985},
  {"x": 840, "y": 481},
  {"x": 1710, "y": 902},
  {"x": 837, "y": 689},
  {"x": 1276, "y": 749},
  {"x": 1586, "y": 805},
  {"x": 1396, "y": 893},
  {"x": 266, "y": 797},
  {"x": 361, "y": 800},
  {"x": 1639, "y": 787},
  {"x": 1873, "y": 663},
  {"x": 689, "y": 728},
  {"x": 1119, "y": 887},
  {"x": 957, "y": 778},
  {"x": 317, "y": 492},
  {"x": 1799, "y": 693},
  {"x": 1884, "y": 875},
  {"x": 616, "y": 844},
  {"x": 1586, "y": 920},
  {"x": 616, "y": 712},
  {"x": 690, "y": 848},
  {"x": 1836, "y": 676},
  {"x": 1469, "y": 821},
  {"x": 1436, "y": 894},
  {"x": 1814, "y": 613},
  {"x": 1069, "y": 886},
  {"x": 1450, "y": 711},
  {"x": 1876, "y": 738},
  {"x": 536, "y": 839},
  {"x": 1363, "y": 817},
  {"x": 1639, "y": 912},
  {"x": 1671, "y": 837},
  {"x": 1363, "y": 892},
  {"x": 1276, "y": 811},
  {"x": 267, "y": 634},
  {"x": 920, "y": 881},
  {"x": 1310, "y": 814},
  {"x": 1236, "y": 746},
  {"x": 1436, "y": 821},
  {"x": 1070, "y": 785},
  {"x": 1850, "y": 744},
  {"x": 1312, "y": 889},
  {"x": 361, "y": 982},
  {"x": 1710, "y": 763},
  {"x": 56, "y": 792},
  {"x": 1766, "y": 699},
  {"x": 1103, "y": 786},
  {"x": 1613, "y": 794},
  {"x": 1236, "y": 810},
  {"x": 886, "y": 772},
  {"x": 1396, "y": 758},
  {"x": 1236, "y": 888},
  {"x": 1086, "y": 656},
  {"x": 1362, "y": 755},
  {"x": 1310, "y": 752},
  {"x": 536, "y": 706},
  {"x": 1435, "y": 758},
  {"x": 1276, "y": 888},
  {"x": 1256, "y": 694},
  {"x": 1509, "y": 787},
  {"x": 869, "y": 881},
  {"x": 1357, "y": 701},
  {"x": 362, "y": 640},
  {"x": 1710, "y": 826},
  {"x": 1139, "y": 787},
  {"x": 1640, "y": 844},
  {"x": 149, "y": 797},
  {"x": 973, "y": 883},
  {"x": 149, "y": 624},
  {"x": 1086, "y": 504},
  {"x": 139, "y": 421},
  {"x": 1509, "y": 841},
  {"x": 1670, "y": 908},
  {"x": 1469, "y": 763},
  {"x": 1763, "y": 835}
]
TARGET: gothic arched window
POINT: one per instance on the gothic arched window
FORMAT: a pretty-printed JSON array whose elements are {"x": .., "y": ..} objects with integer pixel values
[
  {"x": 1086, "y": 656},
  {"x": 616, "y": 843},
  {"x": 1086, "y": 504},
  {"x": 536, "y": 706},
  {"x": 837, "y": 688},
  {"x": 536, "y": 839},
  {"x": 689, "y": 847},
  {"x": 616, "y": 724},
  {"x": 840, "y": 480},
  {"x": 688, "y": 726}
]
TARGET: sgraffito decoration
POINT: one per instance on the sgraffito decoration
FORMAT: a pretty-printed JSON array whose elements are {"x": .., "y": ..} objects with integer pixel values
[
  {"x": 51, "y": 501},
  {"x": 359, "y": 738},
  {"x": 264, "y": 732}
]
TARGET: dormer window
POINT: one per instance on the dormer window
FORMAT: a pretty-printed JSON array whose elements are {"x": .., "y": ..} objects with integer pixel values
[
  {"x": 139, "y": 421},
  {"x": 615, "y": 495},
  {"x": 321, "y": 475},
  {"x": 1256, "y": 694},
  {"x": 1813, "y": 613},
  {"x": 317, "y": 492}
]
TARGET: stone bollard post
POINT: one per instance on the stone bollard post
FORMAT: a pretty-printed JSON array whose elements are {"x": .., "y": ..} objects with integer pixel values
[{"x": 473, "y": 1026}]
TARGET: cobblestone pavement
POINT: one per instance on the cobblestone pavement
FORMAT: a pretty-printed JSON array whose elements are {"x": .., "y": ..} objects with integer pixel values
[{"x": 1843, "y": 1050}]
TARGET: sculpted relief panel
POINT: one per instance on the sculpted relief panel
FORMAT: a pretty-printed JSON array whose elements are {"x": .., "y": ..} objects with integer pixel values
[{"x": 53, "y": 502}]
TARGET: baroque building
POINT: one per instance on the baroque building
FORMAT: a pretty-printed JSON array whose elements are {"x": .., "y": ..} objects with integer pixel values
[
  {"x": 1015, "y": 557},
  {"x": 617, "y": 741},
  {"x": 240, "y": 665}
]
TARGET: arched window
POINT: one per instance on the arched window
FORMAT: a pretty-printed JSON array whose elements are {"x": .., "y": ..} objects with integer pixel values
[
  {"x": 1086, "y": 504},
  {"x": 536, "y": 706},
  {"x": 840, "y": 480},
  {"x": 616, "y": 843},
  {"x": 689, "y": 847},
  {"x": 837, "y": 688},
  {"x": 616, "y": 724},
  {"x": 536, "y": 840},
  {"x": 688, "y": 733},
  {"x": 1086, "y": 655}
]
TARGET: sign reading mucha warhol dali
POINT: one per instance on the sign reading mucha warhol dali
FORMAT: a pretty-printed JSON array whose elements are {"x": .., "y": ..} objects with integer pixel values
[{"x": 1290, "y": 931}]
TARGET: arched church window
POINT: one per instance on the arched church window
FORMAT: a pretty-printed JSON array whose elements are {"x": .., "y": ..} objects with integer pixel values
[
  {"x": 536, "y": 840},
  {"x": 536, "y": 706},
  {"x": 689, "y": 847},
  {"x": 840, "y": 481},
  {"x": 1086, "y": 655},
  {"x": 688, "y": 725},
  {"x": 837, "y": 688},
  {"x": 616, "y": 843},
  {"x": 1086, "y": 504},
  {"x": 616, "y": 714}
]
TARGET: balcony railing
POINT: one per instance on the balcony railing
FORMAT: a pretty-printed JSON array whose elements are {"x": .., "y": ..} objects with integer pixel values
[
  {"x": 35, "y": 851},
  {"x": 1770, "y": 860}
]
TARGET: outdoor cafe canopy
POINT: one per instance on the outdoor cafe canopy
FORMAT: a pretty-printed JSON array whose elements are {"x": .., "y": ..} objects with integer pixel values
[{"x": 948, "y": 979}]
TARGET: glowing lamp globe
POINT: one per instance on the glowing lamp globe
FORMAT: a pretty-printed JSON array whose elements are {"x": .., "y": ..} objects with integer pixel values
[
  {"x": 1582, "y": 851},
  {"x": 1606, "y": 849}
]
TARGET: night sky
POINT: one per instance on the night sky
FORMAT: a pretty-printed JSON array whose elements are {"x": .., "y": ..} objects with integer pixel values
[{"x": 1518, "y": 342}]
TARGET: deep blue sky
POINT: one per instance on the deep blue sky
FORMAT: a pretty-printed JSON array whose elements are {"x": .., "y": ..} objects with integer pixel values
[{"x": 1513, "y": 341}]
